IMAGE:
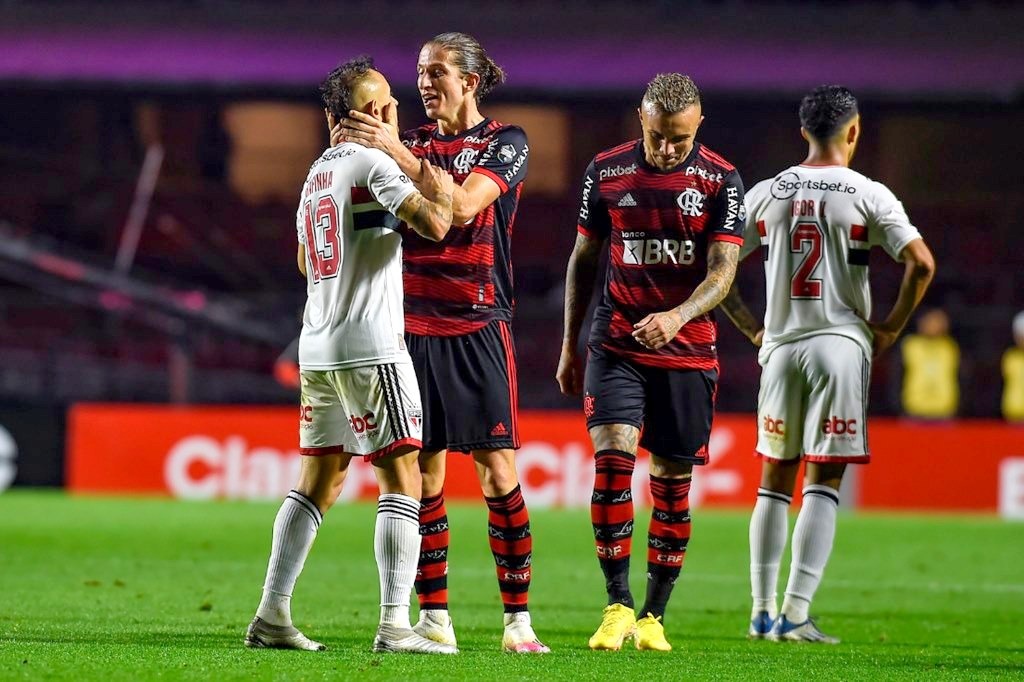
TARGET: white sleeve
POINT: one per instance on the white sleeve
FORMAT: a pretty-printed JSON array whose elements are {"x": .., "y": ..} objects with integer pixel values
[
  {"x": 888, "y": 223},
  {"x": 300, "y": 224},
  {"x": 388, "y": 183},
  {"x": 751, "y": 236}
]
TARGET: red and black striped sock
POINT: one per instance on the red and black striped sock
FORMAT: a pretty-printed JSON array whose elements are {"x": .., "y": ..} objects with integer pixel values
[
  {"x": 666, "y": 540},
  {"x": 611, "y": 513},
  {"x": 432, "y": 570},
  {"x": 508, "y": 525}
]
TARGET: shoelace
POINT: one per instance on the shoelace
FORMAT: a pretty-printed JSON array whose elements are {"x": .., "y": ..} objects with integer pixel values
[{"x": 609, "y": 626}]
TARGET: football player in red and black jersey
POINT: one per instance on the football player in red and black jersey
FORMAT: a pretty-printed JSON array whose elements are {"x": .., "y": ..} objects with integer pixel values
[
  {"x": 458, "y": 306},
  {"x": 670, "y": 211}
]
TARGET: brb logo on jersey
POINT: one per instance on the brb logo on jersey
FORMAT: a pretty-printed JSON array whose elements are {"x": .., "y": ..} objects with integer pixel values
[
  {"x": 636, "y": 250},
  {"x": 463, "y": 162},
  {"x": 691, "y": 202},
  {"x": 360, "y": 425}
]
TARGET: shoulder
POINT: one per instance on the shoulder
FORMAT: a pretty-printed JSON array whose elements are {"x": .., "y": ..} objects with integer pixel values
[
  {"x": 418, "y": 136},
  {"x": 504, "y": 132},
  {"x": 614, "y": 154},
  {"x": 713, "y": 160}
]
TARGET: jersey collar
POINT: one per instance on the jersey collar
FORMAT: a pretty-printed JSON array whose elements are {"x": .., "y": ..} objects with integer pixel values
[{"x": 471, "y": 131}]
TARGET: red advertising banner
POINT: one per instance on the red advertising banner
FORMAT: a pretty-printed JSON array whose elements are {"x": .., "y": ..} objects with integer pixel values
[{"x": 252, "y": 453}]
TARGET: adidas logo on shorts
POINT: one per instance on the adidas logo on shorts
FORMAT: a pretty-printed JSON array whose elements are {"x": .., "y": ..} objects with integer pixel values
[
  {"x": 627, "y": 200},
  {"x": 499, "y": 430}
]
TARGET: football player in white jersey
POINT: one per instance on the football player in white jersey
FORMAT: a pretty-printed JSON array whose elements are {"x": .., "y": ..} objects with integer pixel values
[
  {"x": 816, "y": 223},
  {"x": 358, "y": 391}
]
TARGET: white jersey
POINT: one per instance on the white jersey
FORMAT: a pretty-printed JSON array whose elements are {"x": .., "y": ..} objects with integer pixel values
[
  {"x": 354, "y": 310},
  {"x": 817, "y": 224}
]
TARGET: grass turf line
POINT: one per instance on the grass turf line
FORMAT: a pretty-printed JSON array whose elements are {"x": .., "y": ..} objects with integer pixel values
[{"x": 97, "y": 588}]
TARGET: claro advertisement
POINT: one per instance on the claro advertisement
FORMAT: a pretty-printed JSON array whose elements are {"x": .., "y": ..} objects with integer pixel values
[{"x": 252, "y": 453}]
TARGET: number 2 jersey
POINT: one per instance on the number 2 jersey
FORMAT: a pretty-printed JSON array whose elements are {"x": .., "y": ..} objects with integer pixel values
[
  {"x": 816, "y": 226},
  {"x": 660, "y": 224},
  {"x": 346, "y": 220},
  {"x": 460, "y": 284}
]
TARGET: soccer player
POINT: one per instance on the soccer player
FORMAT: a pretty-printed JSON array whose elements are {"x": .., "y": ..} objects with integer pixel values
[
  {"x": 816, "y": 222},
  {"x": 358, "y": 389},
  {"x": 669, "y": 208},
  {"x": 458, "y": 307}
]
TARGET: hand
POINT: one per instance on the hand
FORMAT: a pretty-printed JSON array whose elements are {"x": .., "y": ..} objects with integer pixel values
[
  {"x": 657, "y": 329},
  {"x": 434, "y": 181},
  {"x": 570, "y": 372},
  {"x": 370, "y": 132},
  {"x": 884, "y": 337},
  {"x": 758, "y": 338}
]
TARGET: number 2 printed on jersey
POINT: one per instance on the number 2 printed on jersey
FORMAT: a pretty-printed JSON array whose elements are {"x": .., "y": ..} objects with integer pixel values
[{"x": 323, "y": 248}]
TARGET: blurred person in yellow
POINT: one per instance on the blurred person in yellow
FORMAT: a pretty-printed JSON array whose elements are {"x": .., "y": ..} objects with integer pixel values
[
  {"x": 931, "y": 362},
  {"x": 1013, "y": 374}
]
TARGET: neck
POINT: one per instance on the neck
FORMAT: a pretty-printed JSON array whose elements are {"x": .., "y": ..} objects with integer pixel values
[
  {"x": 826, "y": 155},
  {"x": 467, "y": 117}
]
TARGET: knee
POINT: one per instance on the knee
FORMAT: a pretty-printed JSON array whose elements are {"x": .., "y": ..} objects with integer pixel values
[
  {"x": 665, "y": 468},
  {"x": 497, "y": 473},
  {"x": 780, "y": 477}
]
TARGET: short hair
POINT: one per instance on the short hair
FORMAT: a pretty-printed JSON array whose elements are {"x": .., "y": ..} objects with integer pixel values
[
  {"x": 825, "y": 109},
  {"x": 336, "y": 90},
  {"x": 466, "y": 53},
  {"x": 671, "y": 92}
]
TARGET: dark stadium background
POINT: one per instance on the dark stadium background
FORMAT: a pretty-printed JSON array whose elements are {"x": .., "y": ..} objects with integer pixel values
[{"x": 227, "y": 91}]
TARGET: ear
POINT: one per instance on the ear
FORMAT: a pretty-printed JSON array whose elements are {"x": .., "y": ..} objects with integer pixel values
[
  {"x": 804, "y": 134},
  {"x": 330, "y": 118},
  {"x": 851, "y": 134},
  {"x": 470, "y": 81},
  {"x": 371, "y": 108}
]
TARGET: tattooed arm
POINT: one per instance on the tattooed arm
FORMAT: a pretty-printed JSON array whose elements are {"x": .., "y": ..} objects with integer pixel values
[
  {"x": 429, "y": 211},
  {"x": 657, "y": 329},
  {"x": 579, "y": 287},
  {"x": 736, "y": 310}
]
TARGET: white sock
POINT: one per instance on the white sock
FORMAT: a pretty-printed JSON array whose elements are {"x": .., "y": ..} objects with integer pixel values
[
  {"x": 812, "y": 544},
  {"x": 769, "y": 525},
  {"x": 396, "y": 544},
  {"x": 294, "y": 531}
]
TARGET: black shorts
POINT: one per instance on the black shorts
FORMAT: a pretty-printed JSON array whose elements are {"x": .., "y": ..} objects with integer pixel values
[
  {"x": 468, "y": 388},
  {"x": 673, "y": 407}
]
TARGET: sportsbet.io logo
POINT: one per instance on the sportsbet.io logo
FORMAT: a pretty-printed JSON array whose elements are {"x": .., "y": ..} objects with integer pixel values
[{"x": 786, "y": 185}]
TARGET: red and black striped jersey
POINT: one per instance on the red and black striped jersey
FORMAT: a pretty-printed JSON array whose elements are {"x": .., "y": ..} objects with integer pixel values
[
  {"x": 458, "y": 285},
  {"x": 659, "y": 225}
]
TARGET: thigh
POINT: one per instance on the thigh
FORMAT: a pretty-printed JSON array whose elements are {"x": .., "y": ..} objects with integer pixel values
[
  {"x": 613, "y": 391},
  {"x": 385, "y": 412},
  {"x": 323, "y": 422},
  {"x": 680, "y": 408},
  {"x": 835, "y": 429},
  {"x": 423, "y": 350},
  {"x": 476, "y": 378},
  {"x": 780, "y": 406}
]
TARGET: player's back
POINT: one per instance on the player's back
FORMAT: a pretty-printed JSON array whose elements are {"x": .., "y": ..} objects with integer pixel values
[
  {"x": 816, "y": 225},
  {"x": 346, "y": 221}
]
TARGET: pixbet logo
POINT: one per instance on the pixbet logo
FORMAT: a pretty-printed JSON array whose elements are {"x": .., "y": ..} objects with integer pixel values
[
  {"x": 835, "y": 426},
  {"x": 362, "y": 424},
  {"x": 713, "y": 177},
  {"x": 617, "y": 171},
  {"x": 773, "y": 426}
]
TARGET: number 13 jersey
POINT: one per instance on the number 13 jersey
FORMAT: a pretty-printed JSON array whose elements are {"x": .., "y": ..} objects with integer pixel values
[
  {"x": 816, "y": 226},
  {"x": 346, "y": 220}
]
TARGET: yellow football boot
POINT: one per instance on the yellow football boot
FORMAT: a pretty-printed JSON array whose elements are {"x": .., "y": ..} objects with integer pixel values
[
  {"x": 650, "y": 634},
  {"x": 617, "y": 625}
]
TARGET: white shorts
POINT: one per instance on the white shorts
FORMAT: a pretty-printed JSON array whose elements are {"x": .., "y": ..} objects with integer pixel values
[
  {"x": 813, "y": 401},
  {"x": 369, "y": 410}
]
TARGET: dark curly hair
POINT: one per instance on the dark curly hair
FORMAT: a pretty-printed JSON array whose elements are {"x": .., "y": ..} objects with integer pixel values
[
  {"x": 336, "y": 89},
  {"x": 826, "y": 109}
]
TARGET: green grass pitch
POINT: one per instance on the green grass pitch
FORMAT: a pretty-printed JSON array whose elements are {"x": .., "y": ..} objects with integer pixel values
[{"x": 133, "y": 589}]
